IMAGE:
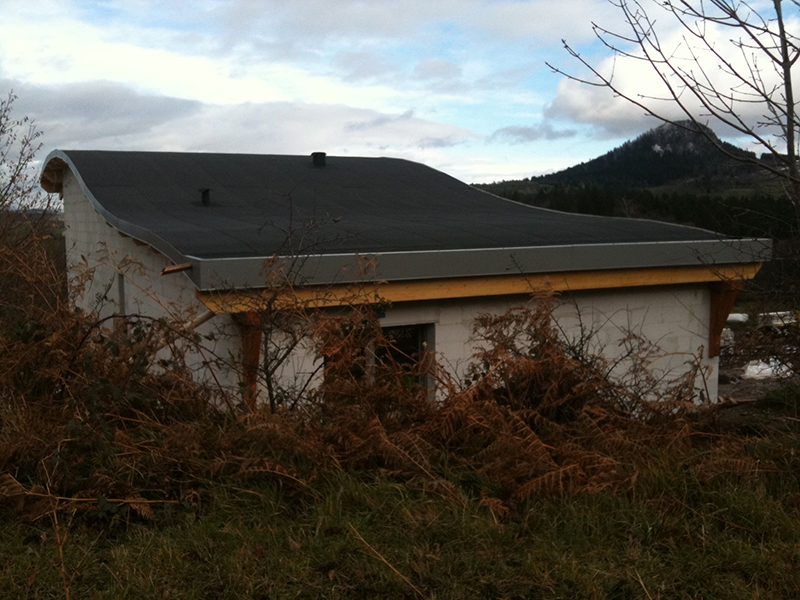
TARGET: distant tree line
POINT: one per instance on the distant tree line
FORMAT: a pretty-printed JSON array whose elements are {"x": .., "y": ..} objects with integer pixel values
[
  {"x": 745, "y": 215},
  {"x": 736, "y": 215}
]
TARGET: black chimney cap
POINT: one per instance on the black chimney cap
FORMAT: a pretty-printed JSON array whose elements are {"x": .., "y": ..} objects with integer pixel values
[{"x": 318, "y": 158}]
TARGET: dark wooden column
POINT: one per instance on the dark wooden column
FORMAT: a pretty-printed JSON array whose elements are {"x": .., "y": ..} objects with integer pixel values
[
  {"x": 723, "y": 295},
  {"x": 249, "y": 325}
]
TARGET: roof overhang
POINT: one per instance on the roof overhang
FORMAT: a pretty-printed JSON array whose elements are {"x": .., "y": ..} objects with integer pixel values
[
  {"x": 328, "y": 269},
  {"x": 51, "y": 180},
  {"x": 344, "y": 294}
]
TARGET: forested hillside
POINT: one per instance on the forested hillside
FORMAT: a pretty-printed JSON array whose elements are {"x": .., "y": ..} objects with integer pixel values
[{"x": 670, "y": 174}]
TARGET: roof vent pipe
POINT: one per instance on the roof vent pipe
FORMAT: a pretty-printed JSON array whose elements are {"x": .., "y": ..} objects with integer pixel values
[
  {"x": 205, "y": 196},
  {"x": 318, "y": 158}
]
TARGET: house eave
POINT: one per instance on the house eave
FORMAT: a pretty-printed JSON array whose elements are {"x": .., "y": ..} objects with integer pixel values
[
  {"x": 215, "y": 274},
  {"x": 51, "y": 181},
  {"x": 321, "y": 296}
]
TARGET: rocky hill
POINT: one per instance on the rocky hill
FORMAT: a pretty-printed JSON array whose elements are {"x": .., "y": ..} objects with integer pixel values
[
  {"x": 666, "y": 155},
  {"x": 672, "y": 173},
  {"x": 666, "y": 158}
]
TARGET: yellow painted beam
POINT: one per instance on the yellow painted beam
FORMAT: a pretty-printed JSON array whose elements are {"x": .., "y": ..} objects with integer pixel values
[{"x": 468, "y": 287}]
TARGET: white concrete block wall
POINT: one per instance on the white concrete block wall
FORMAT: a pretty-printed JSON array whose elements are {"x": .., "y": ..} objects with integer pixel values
[
  {"x": 85, "y": 235},
  {"x": 299, "y": 371},
  {"x": 673, "y": 318},
  {"x": 92, "y": 242},
  {"x": 453, "y": 322},
  {"x": 676, "y": 318}
]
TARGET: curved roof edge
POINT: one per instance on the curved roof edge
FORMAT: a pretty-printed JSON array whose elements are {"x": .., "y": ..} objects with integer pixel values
[{"x": 51, "y": 181}]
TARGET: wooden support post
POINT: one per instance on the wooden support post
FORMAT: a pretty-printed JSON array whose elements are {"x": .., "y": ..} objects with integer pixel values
[
  {"x": 249, "y": 325},
  {"x": 723, "y": 295}
]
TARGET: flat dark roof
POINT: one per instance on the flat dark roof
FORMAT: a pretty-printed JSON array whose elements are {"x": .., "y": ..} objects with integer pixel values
[{"x": 229, "y": 210}]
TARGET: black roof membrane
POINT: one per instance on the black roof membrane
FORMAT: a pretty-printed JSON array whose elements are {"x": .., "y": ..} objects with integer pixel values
[{"x": 260, "y": 205}]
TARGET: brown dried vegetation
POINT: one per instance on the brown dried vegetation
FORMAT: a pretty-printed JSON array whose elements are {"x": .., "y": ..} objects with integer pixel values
[{"x": 94, "y": 420}]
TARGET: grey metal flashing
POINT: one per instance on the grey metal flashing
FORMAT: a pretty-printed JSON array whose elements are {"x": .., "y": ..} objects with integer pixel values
[{"x": 240, "y": 273}]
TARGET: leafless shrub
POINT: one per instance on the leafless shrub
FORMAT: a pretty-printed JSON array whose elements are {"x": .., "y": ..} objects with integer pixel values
[
  {"x": 95, "y": 418},
  {"x": 89, "y": 412}
]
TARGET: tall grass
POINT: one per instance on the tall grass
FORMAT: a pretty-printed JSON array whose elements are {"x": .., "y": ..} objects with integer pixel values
[{"x": 674, "y": 536}]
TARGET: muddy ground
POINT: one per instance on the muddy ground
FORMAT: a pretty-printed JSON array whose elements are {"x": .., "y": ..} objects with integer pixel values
[{"x": 743, "y": 408}]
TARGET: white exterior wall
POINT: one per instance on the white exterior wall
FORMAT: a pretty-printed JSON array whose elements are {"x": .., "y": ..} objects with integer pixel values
[
  {"x": 676, "y": 318},
  {"x": 99, "y": 253}
]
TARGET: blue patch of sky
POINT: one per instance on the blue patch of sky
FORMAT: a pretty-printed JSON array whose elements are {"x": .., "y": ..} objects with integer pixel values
[
  {"x": 519, "y": 102},
  {"x": 101, "y": 13},
  {"x": 441, "y": 40},
  {"x": 97, "y": 13}
]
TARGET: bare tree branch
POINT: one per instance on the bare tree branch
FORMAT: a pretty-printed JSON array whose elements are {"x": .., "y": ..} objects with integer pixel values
[{"x": 755, "y": 63}]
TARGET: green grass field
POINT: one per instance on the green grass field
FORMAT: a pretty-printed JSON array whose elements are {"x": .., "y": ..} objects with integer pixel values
[{"x": 679, "y": 532}]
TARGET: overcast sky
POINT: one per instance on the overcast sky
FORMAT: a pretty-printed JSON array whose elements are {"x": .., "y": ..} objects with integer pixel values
[{"x": 460, "y": 85}]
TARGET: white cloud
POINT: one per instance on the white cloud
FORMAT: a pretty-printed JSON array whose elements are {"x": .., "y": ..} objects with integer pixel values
[
  {"x": 108, "y": 115},
  {"x": 279, "y": 50},
  {"x": 95, "y": 113},
  {"x": 541, "y": 21},
  {"x": 363, "y": 66},
  {"x": 597, "y": 106},
  {"x": 379, "y": 121},
  {"x": 437, "y": 68},
  {"x": 517, "y": 134},
  {"x": 427, "y": 80},
  {"x": 76, "y": 52},
  {"x": 323, "y": 20},
  {"x": 639, "y": 80}
]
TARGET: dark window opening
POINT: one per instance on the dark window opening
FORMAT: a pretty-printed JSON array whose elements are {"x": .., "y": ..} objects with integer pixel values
[
  {"x": 409, "y": 349},
  {"x": 399, "y": 356}
]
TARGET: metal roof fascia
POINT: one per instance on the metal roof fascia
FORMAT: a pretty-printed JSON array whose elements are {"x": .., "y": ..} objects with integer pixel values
[{"x": 243, "y": 273}]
